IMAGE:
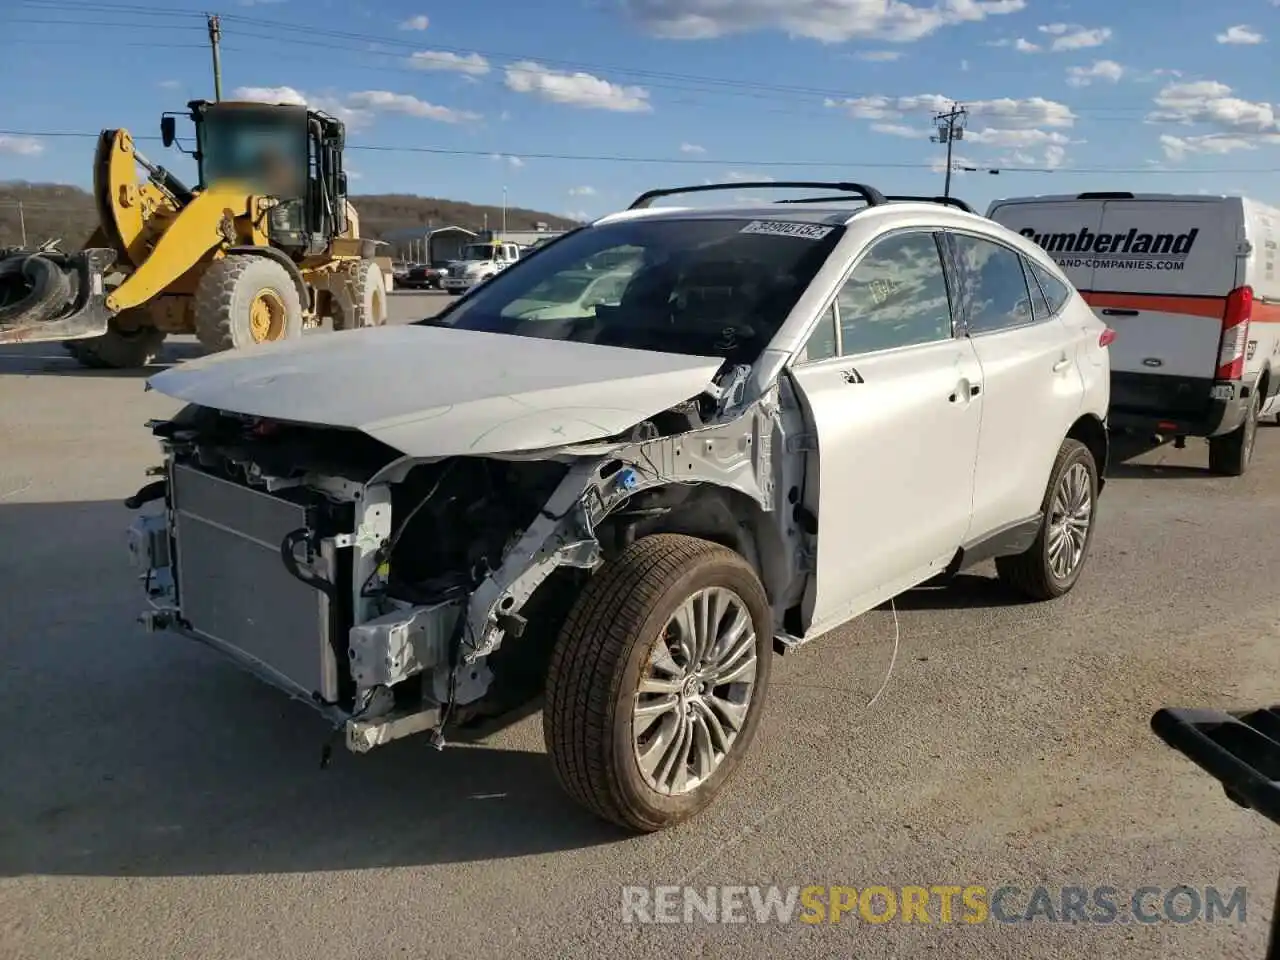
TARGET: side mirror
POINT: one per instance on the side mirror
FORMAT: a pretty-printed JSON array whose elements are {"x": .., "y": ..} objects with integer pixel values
[
  {"x": 168, "y": 130},
  {"x": 342, "y": 184}
]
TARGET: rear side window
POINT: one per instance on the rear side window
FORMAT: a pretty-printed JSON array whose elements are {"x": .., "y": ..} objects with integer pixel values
[
  {"x": 996, "y": 293},
  {"x": 1056, "y": 293}
]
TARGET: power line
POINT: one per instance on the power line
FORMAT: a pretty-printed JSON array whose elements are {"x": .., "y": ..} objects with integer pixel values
[{"x": 843, "y": 163}]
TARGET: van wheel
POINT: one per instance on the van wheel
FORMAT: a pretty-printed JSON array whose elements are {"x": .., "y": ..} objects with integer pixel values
[
  {"x": 1229, "y": 455},
  {"x": 1050, "y": 567},
  {"x": 657, "y": 681}
]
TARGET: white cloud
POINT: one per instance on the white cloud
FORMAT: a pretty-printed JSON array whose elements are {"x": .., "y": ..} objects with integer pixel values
[
  {"x": 420, "y": 22},
  {"x": 1004, "y": 112},
  {"x": 1070, "y": 36},
  {"x": 939, "y": 164},
  {"x": 879, "y": 56},
  {"x": 580, "y": 215},
  {"x": 514, "y": 162},
  {"x": 1240, "y": 34},
  {"x": 1025, "y": 46},
  {"x": 964, "y": 66},
  {"x": 1105, "y": 70},
  {"x": 1211, "y": 103},
  {"x": 271, "y": 95},
  {"x": 582, "y": 191},
  {"x": 828, "y": 21},
  {"x": 170, "y": 84},
  {"x": 739, "y": 177},
  {"x": 471, "y": 65},
  {"x": 899, "y": 130},
  {"x": 576, "y": 89},
  {"x": 385, "y": 101},
  {"x": 358, "y": 109},
  {"x": 22, "y": 146},
  {"x": 1005, "y": 123},
  {"x": 692, "y": 148},
  {"x": 1178, "y": 148}
]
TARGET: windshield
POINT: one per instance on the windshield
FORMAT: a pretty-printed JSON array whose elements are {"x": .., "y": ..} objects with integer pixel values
[
  {"x": 477, "y": 251},
  {"x": 691, "y": 286},
  {"x": 269, "y": 152}
]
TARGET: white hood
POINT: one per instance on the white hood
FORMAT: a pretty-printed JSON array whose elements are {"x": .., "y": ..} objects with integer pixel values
[{"x": 436, "y": 392}]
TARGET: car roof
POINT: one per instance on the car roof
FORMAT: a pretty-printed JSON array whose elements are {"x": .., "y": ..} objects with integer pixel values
[{"x": 835, "y": 213}]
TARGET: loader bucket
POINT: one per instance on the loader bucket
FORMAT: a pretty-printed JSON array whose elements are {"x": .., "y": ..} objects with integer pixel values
[{"x": 53, "y": 296}]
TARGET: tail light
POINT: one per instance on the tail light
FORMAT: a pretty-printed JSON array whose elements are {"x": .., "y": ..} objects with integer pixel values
[
  {"x": 1106, "y": 337},
  {"x": 1235, "y": 334}
]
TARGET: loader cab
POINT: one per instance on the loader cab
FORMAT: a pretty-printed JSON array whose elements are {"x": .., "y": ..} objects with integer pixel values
[{"x": 280, "y": 150}]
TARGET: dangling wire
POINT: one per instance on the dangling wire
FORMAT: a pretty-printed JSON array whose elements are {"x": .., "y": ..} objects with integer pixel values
[{"x": 897, "y": 637}]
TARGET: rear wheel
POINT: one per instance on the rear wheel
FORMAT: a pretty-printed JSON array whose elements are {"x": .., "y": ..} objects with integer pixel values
[
  {"x": 118, "y": 349},
  {"x": 657, "y": 683},
  {"x": 368, "y": 290},
  {"x": 1229, "y": 455},
  {"x": 243, "y": 300},
  {"x": 1050, "y": 567}
]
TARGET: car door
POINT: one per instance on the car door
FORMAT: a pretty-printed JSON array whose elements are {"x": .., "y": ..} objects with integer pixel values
[
  {"x": 1032, "y": 386},
  {"x": 893, "y": 401}
]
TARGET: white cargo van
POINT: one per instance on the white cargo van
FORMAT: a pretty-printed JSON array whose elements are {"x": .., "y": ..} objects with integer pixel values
[{"x": 1191, "y": 286}]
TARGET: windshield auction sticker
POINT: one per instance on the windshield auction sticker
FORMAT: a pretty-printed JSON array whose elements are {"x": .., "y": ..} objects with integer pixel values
[{"x": 777, "y": 228}]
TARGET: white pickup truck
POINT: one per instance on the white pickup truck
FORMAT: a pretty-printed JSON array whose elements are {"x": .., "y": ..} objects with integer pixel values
[{"x": 479, "y": 262}]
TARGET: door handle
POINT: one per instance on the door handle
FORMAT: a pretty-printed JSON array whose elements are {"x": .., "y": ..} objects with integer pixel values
[
  {"x": 1061, "y": 365},
  {"x": 1116, "y": 312},
  {"x": 960, "y": 392}
]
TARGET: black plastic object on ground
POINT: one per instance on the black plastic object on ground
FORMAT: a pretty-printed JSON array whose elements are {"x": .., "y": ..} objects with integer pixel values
[
  {"x": 46, "y": 295},
  {"x": 1241, "y": 749}
]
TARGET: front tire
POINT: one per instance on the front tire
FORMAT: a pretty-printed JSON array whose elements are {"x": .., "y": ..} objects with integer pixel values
[
  {"x": 657, "y": 682},
  {"x": 118, "y": 349},
  {"x": 1050, "y": 567},
  {"x": 244, "y": 300}
]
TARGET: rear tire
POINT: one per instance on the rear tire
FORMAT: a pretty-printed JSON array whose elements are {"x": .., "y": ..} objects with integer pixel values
[
  {"x": 1050, "y": 567},
  {"x": 244, "y": 300},
  {"x": 118, "y": 349},
  {"x": 649, "y": 758},
  {"x": 368, "y": 294},
  {"x": 1229, "y": 455}
]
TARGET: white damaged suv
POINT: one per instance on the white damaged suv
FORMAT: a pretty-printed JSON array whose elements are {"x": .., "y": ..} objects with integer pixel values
[{"x": 784, "y": 416}]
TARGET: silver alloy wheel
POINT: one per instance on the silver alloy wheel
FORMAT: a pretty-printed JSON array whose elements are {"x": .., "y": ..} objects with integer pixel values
[
  {"x": 695, "y": 690},
  {"x": 1069, "y": 518}
]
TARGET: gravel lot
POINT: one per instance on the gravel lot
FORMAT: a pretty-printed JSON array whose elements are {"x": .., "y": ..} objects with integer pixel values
[{"x": 156, "y": 802}]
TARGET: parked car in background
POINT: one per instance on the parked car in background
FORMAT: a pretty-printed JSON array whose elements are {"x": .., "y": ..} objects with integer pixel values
[
  {"x": 775, "y": 419},
  {"x": 423, "y": 276},
  {"x": 1191, "y": 285}
]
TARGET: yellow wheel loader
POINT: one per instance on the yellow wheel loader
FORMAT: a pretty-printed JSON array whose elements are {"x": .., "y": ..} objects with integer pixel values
[{"x": 264, "y": 246}]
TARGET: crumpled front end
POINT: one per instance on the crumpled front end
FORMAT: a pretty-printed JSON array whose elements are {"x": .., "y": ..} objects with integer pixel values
[{"x": 400, "y": 594}]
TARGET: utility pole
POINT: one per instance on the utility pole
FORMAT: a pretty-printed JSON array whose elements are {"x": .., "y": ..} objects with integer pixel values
[
  {"x": 22, "y": 224},
  {"x": 215, "y": 35},
  {"x": 504, "y": 213},
  {"x": 950, "y": 129}
]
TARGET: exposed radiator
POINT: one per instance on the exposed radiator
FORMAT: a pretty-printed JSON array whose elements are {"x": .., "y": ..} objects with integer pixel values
[{"x": 234, "y": 589}]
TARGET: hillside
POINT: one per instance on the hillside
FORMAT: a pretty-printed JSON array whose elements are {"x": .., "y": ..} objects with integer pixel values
[{"x": 56, "y": 210}]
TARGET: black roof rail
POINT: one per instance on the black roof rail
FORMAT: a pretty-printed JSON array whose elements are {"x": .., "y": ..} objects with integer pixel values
[
  {"x": 871, "y": 195},
  {"x": 949, "y": 201}
]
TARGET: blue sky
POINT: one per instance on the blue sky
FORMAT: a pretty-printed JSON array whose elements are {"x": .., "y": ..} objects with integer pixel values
[{"x": 1063, "y": 95}]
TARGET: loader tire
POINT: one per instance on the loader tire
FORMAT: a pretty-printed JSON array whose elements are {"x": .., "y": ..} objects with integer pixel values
[
  {"x": 368, "y": 289},
  {"x": 32, "y": 289},
  {"x": 244, "y": 300},
  {"x": 118, "y": 349}
]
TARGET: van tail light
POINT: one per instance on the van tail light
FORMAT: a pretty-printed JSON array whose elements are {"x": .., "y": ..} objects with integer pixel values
[
  {"x": 1106, "y": 337},
  {"x": 1235, "y": 334}
]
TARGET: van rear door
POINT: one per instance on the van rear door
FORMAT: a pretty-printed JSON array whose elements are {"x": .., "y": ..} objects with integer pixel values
[
  {"x": 1162, "y": 271},
  {"x": 1059, "y": 226}
]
